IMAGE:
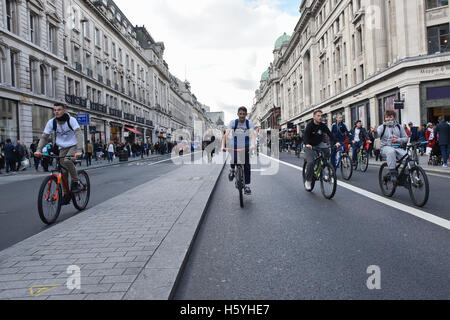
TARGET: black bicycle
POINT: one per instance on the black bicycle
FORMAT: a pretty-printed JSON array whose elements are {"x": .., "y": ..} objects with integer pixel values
[
  {"x": 55, "y": 193},
  {"x": 239, "y": 178},
  {"x": 344, "y": 161},
  {"x": 323, "y": 172},
  {"x": 411, "y": 176}
]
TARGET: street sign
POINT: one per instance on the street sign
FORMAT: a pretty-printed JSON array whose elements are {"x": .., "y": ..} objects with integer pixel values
[{"x": 83, "y": 119}]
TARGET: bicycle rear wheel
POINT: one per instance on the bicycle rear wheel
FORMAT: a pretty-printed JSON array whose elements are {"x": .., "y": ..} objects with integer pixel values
[
  {"x": 328, "y": 181},
  {"x": 364, "y": 164},
  {"x": 418, "y": 186},
  {"x": 49, "y": 201},
  {"x": 387, "y": 187},
  {"x": 80, "y": 200},
  {"x": 346, "y": 167}
]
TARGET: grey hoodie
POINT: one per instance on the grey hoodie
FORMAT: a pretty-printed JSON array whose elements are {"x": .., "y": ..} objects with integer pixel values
[{"x": 390, "y": 133}]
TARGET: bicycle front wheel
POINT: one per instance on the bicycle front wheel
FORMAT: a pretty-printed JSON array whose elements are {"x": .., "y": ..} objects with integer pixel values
[
  {"x": 80, "y": 200},
  {"x": 328, "y": 181},
  {"x": 418, "y": 186},
  {"x": 240, "y": 186},
  {"x": 49, "y": 201},
  {"x": 364, "y": 164},
  {"x": 346, "y": 167}
]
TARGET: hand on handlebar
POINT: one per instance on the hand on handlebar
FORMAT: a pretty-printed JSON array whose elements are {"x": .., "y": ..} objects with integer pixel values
[
  {"x": 38, "y": 155},
  {"x": 310, "y": 147},
  {"x": 77, "y": 155}
]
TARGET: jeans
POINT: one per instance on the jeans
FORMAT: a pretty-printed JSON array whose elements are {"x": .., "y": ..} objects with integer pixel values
[
  {"x": 356, "y": 147},
  {"x": 110, "y": 157},
  {"x": 445, "y": 153}
]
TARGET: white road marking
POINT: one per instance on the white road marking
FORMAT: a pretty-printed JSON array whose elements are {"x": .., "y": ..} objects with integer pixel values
[{"x": 396, "y": 205}]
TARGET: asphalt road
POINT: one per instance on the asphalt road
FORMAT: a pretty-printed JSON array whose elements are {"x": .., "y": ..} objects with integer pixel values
[
  {"x": 19, "y": 218},
  {"x": 289, "y": 244}
]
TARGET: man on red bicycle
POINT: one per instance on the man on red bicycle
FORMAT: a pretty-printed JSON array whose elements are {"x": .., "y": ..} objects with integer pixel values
[
  {"x": 243, "y": 132},
  {"x": 69, "y": 141}
]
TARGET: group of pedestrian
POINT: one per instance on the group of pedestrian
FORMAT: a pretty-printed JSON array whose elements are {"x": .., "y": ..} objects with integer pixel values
[{"x": 13, "y": 157}]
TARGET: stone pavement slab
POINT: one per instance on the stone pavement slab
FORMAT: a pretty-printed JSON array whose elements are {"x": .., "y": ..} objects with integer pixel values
[{"x": 132, "y": 246}]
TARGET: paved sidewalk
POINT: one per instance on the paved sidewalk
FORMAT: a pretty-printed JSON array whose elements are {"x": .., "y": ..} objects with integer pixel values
[
  {"x": 31, "y": 174},
  {"x": 130, "y": 247}
]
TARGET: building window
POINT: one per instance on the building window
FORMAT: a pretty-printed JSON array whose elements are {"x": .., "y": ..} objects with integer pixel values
[
  {"x": 43, "y": 80},
  {"x": 11, "y": 16},
  {"x": 14, "y": 62},
  {"x": 86, "y": 32},
  {"x": 31, "y": 67},
  {"x": 34, "y": 27},
  {"x": 52, "y": 39},
  {"x": 97, "y": 37},
  {"x": 436, "y": 3},
  {"x": 438, "y": 39}
]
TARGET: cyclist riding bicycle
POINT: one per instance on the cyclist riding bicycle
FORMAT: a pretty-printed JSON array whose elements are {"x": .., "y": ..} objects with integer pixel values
[
  {"x": 360, "y": 137},
  {"x": 69, "y": 141},
  {"x": 244, "y": 137},
  {"x": 339, "y": 131},
  {"x": 392, "y": 136},
  {"x": 315, "y": 135}
]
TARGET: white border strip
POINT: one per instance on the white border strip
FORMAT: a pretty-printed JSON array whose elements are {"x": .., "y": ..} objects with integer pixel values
[{"x": 396, "y": 205}]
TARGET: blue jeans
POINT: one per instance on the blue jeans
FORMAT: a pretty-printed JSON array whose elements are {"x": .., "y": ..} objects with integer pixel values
[
  {"x": 356, "y": 147},
  {"x": 445, "y": 153},
  {"x": 110, "y": 156}
]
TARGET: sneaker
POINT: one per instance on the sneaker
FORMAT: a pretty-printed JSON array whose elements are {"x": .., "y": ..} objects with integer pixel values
[
  {"x": 75, "y": 187},
  {"x": 231, "y": 175},
  {"x": 445, "y": 166},
  {"x": 308, "y": 185},
  {"x": 247, "y": 190}
]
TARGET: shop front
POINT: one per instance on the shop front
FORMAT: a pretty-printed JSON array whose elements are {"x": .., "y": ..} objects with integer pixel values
[
  {"x": 435, "y": 101},
  {"x": 115, "y": 132},
  {"x": 386, "y": 102},
  {"x": 9, "y": 120},
  {"x": 131, "y": 134},
  {"x": 361, "y": 111},
  {"x": 97, "y": 130}
]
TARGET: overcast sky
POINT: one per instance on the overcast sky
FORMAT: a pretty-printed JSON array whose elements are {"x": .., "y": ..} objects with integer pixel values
[{"x": 223, "y": 46}]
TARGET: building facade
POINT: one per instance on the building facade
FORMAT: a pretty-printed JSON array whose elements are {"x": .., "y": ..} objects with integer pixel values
[
  {"x": 31, "y": 66},
  {"x": 87, "y": 54},
  {"x": 357, "y": 57}
]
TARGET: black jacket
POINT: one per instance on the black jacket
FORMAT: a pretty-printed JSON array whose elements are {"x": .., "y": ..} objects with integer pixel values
[
  {"x": 315, "y": 134},
  {"x": 362, "y": 134},
  {"x": 443, "y": 130}
]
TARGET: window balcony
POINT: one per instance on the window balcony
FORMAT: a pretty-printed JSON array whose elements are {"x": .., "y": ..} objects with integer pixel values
[{"x": 99, "y": 107}]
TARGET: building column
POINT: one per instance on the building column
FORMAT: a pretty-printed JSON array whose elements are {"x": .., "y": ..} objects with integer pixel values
[
  {"x": 411, "y": 95},
  {"x": 25, "y": 122},
  {"x": 373, "y": 112}
]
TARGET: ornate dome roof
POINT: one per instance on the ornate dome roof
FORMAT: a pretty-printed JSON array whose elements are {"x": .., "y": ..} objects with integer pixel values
[{"x": 281, "y": 40}]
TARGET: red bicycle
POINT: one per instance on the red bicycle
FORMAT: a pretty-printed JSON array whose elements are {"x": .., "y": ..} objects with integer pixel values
[{"x": 55, "y": 193}]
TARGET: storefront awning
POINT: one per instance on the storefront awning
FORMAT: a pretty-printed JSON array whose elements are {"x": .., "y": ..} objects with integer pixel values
[{"x": 134, "y": 131}]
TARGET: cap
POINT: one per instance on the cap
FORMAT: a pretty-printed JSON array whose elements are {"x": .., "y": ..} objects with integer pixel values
[{"x": 410, "y": 123}]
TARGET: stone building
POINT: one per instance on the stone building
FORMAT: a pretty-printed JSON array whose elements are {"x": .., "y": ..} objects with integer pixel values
[
  {"x": 87, "y": 54},
  {"x": 31, "y": 66},
  {"x": 358, "y": 57}
]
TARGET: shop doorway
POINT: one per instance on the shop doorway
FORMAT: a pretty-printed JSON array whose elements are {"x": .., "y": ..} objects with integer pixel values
[{"x": 435, "y": 113}]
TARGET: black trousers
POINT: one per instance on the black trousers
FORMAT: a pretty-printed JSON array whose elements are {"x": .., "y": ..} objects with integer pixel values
[
  {"x": 88, "y": 159},
  {"x": 237, "y": 159}
]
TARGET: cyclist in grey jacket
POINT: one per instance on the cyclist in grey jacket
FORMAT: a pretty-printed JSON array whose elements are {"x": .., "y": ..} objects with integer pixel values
[{"x": 392, "y": 136}]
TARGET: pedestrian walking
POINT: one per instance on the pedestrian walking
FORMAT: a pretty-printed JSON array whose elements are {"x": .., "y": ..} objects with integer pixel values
[
  {"x": 89, "y": 152},
  {"x": 2, "y": 157},
  {"x": 33, "y": 149},
  {"x": 19, "y": 155},
  {"x": 443, "y": 133},
  {"x": 10, "y": 156},
  {"x": 430, "y": 137},
  {"x": 111, "y": 151},
  {"x": 414, "y": 133}
]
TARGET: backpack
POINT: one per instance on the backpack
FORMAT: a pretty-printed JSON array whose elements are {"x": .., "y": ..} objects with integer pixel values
[{"x": 384, "y": 130}]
